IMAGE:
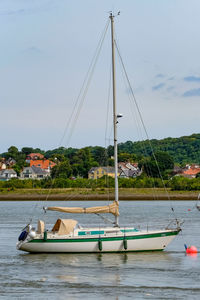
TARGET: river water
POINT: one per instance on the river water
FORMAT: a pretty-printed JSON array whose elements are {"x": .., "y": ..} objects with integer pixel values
[{"x": 154, "y": 275}]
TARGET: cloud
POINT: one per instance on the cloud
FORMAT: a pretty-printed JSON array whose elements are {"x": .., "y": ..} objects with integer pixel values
[
  {"x": 33, "y": 50},
  {"x": 160, "y": 75},
  {"x": 170, "y": 88},
  {"x": 192, "y": 79},
  {"x": 158, "y": 86},
  {"x": 29, "y": 8},
  {"x": 30, "y": 56},
  {"x": 192, "y": 93},
  {"x": 8, "y": 12}
]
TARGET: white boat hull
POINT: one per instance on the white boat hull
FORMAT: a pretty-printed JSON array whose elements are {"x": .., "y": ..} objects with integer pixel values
[{"x": 140, "y": 241}]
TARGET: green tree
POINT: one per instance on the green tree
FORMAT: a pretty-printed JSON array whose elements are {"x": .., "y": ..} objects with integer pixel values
[
  {"x": 100, "y": 155},
  {"x": 27, "y": 150},
  {"x": 12, "y": 152},
  {"x": 158, "y": 165},
  {"x": 110, "y": 151},
  {"x": 124, "y": 157},
  {"x": 57, "y": 158},
  {"x": 62, "y": 170},
  {"x": 83, "y": 161}
]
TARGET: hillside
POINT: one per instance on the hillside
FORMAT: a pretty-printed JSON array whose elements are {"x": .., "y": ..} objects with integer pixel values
[{"x": 185, "y": 149}]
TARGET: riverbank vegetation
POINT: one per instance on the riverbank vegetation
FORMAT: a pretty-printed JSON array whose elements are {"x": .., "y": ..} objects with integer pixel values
[{"x": 176, "y": 183}]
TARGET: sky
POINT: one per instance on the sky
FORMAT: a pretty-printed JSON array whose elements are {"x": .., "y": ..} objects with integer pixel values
[{"x": 47, "y": 47}]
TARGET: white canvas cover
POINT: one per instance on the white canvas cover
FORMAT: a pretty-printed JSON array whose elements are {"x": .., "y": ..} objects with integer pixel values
[
  {"x": 64, "y": 226},
  {"x": 111, "y": 208}
]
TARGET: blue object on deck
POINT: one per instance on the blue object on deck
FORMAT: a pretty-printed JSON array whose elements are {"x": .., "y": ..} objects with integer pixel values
[{"x": 23, "y": 235}]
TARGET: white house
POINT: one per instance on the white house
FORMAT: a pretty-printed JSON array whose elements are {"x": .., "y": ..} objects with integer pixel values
[
  {"x": 7, "y": 174},
  {"x": 128, "y": 170},
  {"x": 33, "y": 173}
]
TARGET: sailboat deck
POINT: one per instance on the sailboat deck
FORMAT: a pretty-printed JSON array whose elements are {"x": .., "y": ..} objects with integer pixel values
[{"x": 101, "y": 232}]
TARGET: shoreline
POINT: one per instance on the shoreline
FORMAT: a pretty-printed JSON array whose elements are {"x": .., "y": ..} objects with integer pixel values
[{"x": 98, "y": 197}]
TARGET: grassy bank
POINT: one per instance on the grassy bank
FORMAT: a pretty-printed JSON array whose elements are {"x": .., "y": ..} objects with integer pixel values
[{"x": 97, "y": 194}]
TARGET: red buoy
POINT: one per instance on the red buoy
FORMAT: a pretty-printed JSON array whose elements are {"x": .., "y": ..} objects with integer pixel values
[{"x": 191, "y": 249}]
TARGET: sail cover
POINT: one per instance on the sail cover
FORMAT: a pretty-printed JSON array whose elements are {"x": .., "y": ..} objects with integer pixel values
[
  {"x": 111, "y": 208},
  {"x": 64, "y": 226}
]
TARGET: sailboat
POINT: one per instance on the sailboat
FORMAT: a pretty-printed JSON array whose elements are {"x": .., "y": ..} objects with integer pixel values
[{"x": 67, "y": 236}]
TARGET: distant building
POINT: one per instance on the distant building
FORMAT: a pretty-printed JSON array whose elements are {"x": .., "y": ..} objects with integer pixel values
[
  {"x": 125, "y": 170},
  {"x": 7, "y": 174},
  {"x": 128, "y": 173},
  {"x": 45, "y": 164},
  {"x": 2, "y": 165},
  {"x": 33, "y": 173},
  {"x": 190, "y": 171},
  {"x": 10, "y": 162},
  {"x": 34, "y": 156},
  {"x": 98, "y": 172},
  {"x": 177, "y": 170},
  {"x": 129, "y": 170}
]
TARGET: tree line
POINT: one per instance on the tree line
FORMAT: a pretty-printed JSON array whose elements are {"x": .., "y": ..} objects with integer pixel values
[
  {"x": 175, "y": 183},
  {"x": 74, "y": 163},
  {"x": 185, "y": 149}
]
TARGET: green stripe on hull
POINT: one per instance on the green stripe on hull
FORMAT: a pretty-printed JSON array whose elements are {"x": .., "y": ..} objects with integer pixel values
[
  {"x": 104, "y": 239},
  {"x": 100, "y": 252}
]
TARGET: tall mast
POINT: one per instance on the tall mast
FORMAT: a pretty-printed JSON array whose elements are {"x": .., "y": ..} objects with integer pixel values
[{"x": 114, "y": 115}]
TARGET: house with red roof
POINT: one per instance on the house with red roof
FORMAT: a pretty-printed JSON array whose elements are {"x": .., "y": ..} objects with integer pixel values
[
  {"x": 34, "y": 156},
  {"x": 190, "y": 171},
  {"x": 44, "y": 164}
]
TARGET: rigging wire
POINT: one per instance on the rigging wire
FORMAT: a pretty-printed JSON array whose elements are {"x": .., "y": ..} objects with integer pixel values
[
  {"x": 140, "y": 135},
  {"x": 80, "y": 98},
  {"x": 84, "y": 87},
  {"x": 106, "y": 128},
  {"x": 144, "y": 127}
]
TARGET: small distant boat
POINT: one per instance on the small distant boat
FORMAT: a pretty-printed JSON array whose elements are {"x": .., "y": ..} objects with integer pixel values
[{"x": 67, "y": 236}]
